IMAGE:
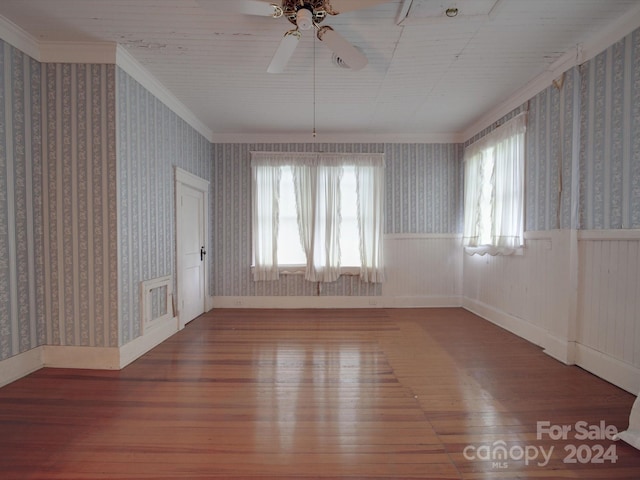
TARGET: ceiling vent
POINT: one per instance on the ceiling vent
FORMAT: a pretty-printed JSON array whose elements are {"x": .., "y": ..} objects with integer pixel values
[{"x": 433, "y": 11}]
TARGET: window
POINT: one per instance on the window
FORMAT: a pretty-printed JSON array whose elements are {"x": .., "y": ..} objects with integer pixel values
[
  {"x": 494, "y": 190},
  {"x": 317, "y": 214}
]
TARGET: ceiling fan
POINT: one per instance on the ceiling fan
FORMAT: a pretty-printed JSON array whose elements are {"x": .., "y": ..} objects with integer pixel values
[{"x": 305, "y": 15}]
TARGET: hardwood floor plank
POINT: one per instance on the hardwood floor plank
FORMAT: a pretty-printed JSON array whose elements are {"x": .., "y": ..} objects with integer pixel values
[{"x": 301, "y": 394}]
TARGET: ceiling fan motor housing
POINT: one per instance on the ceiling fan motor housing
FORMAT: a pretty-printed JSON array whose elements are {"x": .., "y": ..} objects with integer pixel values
[
  {"x": 304, "y": 14},
  {"x": 304, "y": 19}
]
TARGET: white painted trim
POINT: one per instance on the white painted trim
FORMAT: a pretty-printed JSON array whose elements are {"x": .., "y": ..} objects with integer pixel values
[
  {"x": 285, "y": 302},
  {"x": 146, "y": 287},
  {"x": 211, "y": 302},
  {"x": 64, "y": 356},
  {"x": 582, "y": 53},
  {"x": 184, "y": 178},
  {"x": 435, "y": 301},
  {"x": 141, "y": 345},
  {"x": 100, "y": 53},
  {"x": 18, "y": 366},
  {"x": 608, "y": 235},
  {"x": 140, "y": 74},
  {"x": 191, "y": 180},
  {"x": 337, "y": 138},
  {"x": 78, "y": 52},
  {"x": 92, "y": 358},
  {"x": 560, "y": 349},
  {"x": 296, "y": 302},
  {"x": 540, "y": 235},
  {"x": 515, "y": 325},
  {"x": 611, "y": 369},
  {"x": 19, "y": 38},
  {"x": 616, "y": 31}
]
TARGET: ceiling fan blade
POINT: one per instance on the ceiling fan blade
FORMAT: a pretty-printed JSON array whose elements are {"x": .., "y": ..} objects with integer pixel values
[
  {"x": 342, "y": 48},
  {"x": 286, "y": 48},
  {"x": 247, "y": 7},
  {"x": 256, "y": 7},
  {"x": 342, "y": 6}
]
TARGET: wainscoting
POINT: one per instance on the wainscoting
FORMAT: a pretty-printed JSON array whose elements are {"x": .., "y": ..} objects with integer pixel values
[
  {"x": 608, "y": 333},
  {"x": 574, "y": 294},
  {"x": 423, "y": 270}
]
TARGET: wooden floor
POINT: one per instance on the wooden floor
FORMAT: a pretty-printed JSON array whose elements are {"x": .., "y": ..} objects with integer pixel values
[{"x": 318, "y": 394}]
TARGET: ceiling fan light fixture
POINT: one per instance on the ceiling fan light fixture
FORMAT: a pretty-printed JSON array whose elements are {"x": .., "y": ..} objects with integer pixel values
[{"x": 304, "y": 19}]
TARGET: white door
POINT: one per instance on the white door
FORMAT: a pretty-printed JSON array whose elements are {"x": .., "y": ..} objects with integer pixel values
[{"x": 191, "y": 249}]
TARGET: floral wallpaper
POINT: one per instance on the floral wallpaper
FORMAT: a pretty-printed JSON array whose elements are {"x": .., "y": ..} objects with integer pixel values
[
  {"x": 86, "y": 189},
  {"x": 549, "y": 151},
  {"x": 79, "y": 195},
  {"x": 600, "y": 103},
  {"x": 22, "y": 314},
  {"x": 610, "y": 137},
  {"x": 422, "y": 196},
  {"x": 151, "y": 141}
]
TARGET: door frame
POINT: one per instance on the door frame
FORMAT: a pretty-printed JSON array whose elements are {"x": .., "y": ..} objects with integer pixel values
[{"x": 184, "y": 178}]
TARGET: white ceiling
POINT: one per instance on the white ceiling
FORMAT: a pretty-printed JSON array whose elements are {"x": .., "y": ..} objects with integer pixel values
[{"x": 429, "y": 75}]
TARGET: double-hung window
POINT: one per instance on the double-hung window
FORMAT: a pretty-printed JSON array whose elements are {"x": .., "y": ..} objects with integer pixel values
[
  {"x": 317, "y": 214},
  {"x": 494, "y": 190}
]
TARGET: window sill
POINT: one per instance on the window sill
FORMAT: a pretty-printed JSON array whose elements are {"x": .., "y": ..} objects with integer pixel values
[
  {"x": 299, "y": 270},
  {"x": 493, "y": 251}
]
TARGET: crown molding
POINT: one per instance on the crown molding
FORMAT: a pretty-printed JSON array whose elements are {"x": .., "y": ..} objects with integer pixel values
[
  {"x": 140, "y": 74},
  {"x": 78, "y": 52},
  {"x": 101, "y": 53},
  {"x": 616, "y": 31},
  {"x": 335, "y": 138},
  {"x": 19, "y": 38}
]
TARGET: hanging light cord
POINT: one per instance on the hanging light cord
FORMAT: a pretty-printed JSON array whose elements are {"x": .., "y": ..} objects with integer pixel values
[{"x": 314, "y": 86}]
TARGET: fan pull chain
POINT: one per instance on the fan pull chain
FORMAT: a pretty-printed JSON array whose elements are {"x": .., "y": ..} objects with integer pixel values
[{"x": 314, "y": 86}]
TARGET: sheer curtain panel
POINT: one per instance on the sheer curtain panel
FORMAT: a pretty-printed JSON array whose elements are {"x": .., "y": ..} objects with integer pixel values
[
  {"x": 319, "y": 190},
  {"x": 370, "y": 193},
  {"x": 266, "y": 174},
  {"x": 494, "y": 190}
]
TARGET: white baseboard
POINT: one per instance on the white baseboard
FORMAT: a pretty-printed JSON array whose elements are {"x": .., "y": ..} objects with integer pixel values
[
  {"x": 297, "y": 302},
  {"x": 336, "y": 302},
  {"x": 18, "y": 366},
  {"x": 151, "y": 339},
  {"x": 436, "y": 301},
  {"x": 210, "y": 302},
  {"x": 515, "y": 325},
  {"x": 604, "y": 366},
  {"x": 611, "y": 369},
  {"x": 93, "y": 358},
  {"x": 560, "y": 349}
]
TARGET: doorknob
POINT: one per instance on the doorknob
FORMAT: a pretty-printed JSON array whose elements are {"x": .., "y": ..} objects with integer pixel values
[{"x": 203, "y": 252}]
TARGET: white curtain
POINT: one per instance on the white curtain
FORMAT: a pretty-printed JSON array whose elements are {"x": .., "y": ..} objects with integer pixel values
[
  {"x": 508, "y": 225},
  {"x": 494, "y": 189},
  {"x": 317, "y": 185},
  {"x": 266, "y": 173},
  {"x": 265, "y": 185},
  {"x": 370, "y": 192},
  {"x": 305, "y": 185}
]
